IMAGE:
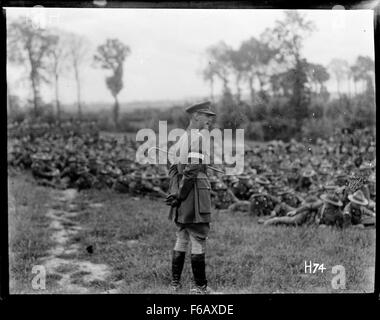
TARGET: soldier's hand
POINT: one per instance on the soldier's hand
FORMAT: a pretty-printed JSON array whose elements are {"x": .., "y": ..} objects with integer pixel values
[
  {"x": 291, "y": 213},
  {"x": 172, "y": 200}
]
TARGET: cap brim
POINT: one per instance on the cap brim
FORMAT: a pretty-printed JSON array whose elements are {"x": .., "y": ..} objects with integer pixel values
[
  {"x": 351, "y": 198},
  {"x": 210, "y": 113}
]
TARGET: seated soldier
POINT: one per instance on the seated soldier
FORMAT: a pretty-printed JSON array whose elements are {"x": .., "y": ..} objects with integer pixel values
[
  {"x": 262, "y": 204},
  {"x": 152, "y": 185},
  {"x": 104, "y": 179},
  {"x": 86, "y": 180},
  {"x": 44, "y": 170},
  {"x": 241, "y": 205},
  {"x": 240, "y": 187},
  {"x": 314, "y": 211},
  {"x": 356, "y": 214},
  {"x": 69, "y": 175},
  {"x": 244, "y": 205},
  {"x": 305, "y": 214},
  {"x": 355, "y": 183},
  {"x": 263, "y": 183},
  {"x": 289, "y": 201},
  {"x": 306, "y": 180},
  {"x": 330, "y": 211}
]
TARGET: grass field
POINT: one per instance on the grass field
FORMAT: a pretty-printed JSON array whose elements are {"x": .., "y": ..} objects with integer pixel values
[{"x": 134, "y": 238}]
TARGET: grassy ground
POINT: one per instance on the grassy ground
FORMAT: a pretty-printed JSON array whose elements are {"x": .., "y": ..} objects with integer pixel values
[
  {"x": 135, "y": 239},
  {"x": 28, "y": 230}
]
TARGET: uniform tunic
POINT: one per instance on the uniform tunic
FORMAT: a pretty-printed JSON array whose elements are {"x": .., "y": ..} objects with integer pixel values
[{"x": 196, "y": 207}]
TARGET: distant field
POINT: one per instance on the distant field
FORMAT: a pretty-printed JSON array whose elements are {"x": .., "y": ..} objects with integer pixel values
[{"x": 134, "y": 238}]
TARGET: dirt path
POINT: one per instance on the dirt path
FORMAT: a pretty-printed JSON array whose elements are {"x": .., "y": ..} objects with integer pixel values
[{"x": 75, "y": 276}]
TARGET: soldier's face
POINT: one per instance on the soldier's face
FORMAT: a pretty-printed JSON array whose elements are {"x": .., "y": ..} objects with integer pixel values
[
  {"x": 354, "y": 205},
  {"x": 204, "y": 121}
]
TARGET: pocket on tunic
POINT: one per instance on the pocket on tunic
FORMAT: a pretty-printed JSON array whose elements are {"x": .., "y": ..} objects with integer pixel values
[{"x": 204, "y": 195}]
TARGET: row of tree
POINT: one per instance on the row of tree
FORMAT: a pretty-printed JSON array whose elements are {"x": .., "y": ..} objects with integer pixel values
[
  {"x": 276, "y": 73},
  {"x": 48, "y": 54}
]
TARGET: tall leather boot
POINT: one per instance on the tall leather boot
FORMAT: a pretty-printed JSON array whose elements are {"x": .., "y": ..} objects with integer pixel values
[
  {"x": 178, "y": 259},
  {"x": 198, "y": 266}
]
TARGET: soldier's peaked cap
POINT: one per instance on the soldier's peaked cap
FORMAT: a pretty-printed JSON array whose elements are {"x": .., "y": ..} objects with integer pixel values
[{"x": 203, "y": 107}]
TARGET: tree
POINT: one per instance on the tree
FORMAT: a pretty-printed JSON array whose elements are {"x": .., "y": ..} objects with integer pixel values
[
  {"x": 365, "y": 71},
  {"x": 339, "y": 69},
  {"x": 78, "y": 47},
  {"x": 218, "y": 57},
  {"x": 256, "y": 56},
  {"x": 30, "y": 47},
  {"x": 209, "y": 75},
  {"x": 59, "y": 55},
  {"x": 286, "y": 38},
  {"x": 355, "y": 75},
  {"x": 236, "y": 61},
  {"x": 317, "y": 75},
  {"x": 231, "y": 114},
  {"x": 111, "y": 56}
]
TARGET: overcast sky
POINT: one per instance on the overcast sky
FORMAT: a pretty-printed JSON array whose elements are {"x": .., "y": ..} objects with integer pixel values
[{"x": 168, "y": 45}]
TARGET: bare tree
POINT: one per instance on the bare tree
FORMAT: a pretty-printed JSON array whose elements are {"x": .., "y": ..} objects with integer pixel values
[
  {"x": 111, "y": 56},
  {"x": 30, "y": 47},
  {"x": 256, "y": 56},
  {"x": 317, "y": 75},
  {"x": 218, "y": 57},
  {"x": 287, "y": 38},
  {"x": 339, "y": 69},
  {"x": 236, "y": 61},
  {"x": 355, "y": 75},
  {"x": 59, "y": 55},
  {"x": 209, "y": 75},
  {"x": 78, "y": 47},
  {"x": 365, "y": 71}
]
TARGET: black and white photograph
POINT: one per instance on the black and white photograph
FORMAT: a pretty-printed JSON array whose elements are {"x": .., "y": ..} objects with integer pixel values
[{"x": 190, "y": 151}]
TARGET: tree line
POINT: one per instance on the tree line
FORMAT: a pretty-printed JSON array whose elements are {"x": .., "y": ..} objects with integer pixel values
[
  {"x": 282, "y": 84},
  {"x": 287, "y": 93},
  {"x": 46, "y": 55}
]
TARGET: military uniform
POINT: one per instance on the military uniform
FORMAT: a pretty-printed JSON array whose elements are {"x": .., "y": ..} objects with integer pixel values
[
  {"x": 329, "y": 211},
  {"x": 224, "y": 197},
  {"x": 304, "y": 215},
  {"x": 356, "y": 213},
  {"x": 190, "y": 201},
  {"x": 262, "y": 204},
  {"x": 122, "y": 184}
]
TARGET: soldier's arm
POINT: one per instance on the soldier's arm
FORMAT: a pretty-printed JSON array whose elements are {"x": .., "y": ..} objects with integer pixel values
[
  {"x": 174, "y": 179},
  {"x": 234, "y": 198},
  {"x": 346, "y": 210},
  {"x": 368, "y": 212},
  {"x": 309, "y": 206},
  {"x": 190, "y": 173},
  {"x": 366, "y": 192},
  {"x": 299, "y": 197},
  {"x": 315, "y": 205},
  {"x": 346, "y": 216},
  {"x": 192, "y": 168},
  {"x": 64, "y": 172}
]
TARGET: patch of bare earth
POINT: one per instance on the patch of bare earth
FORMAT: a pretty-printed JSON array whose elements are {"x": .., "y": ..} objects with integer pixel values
[{"x": 74, "y": 276}]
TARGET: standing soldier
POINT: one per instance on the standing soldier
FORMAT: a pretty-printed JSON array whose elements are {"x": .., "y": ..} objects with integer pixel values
[
  {"x": 190, "y": 199},
  {"x": 44, "y": 170}
]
